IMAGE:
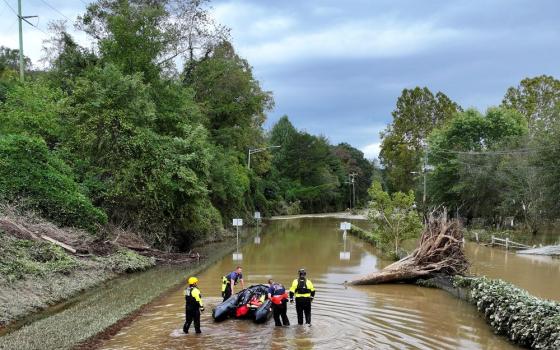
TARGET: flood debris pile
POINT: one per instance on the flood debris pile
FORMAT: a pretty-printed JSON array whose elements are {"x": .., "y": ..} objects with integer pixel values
[
  {"x": 514, "y": 313},
  {"x": 440, "y": 251}
]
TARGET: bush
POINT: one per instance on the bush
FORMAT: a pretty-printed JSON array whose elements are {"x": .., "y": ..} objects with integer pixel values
[
  {"x": 125, "y": 260},
  {"x": 523, "y": 318},
  {"x": 30, "y": 171}
]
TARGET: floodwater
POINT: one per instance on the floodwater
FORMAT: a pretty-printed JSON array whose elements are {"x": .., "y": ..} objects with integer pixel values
[{"x": 380, "y": 317}]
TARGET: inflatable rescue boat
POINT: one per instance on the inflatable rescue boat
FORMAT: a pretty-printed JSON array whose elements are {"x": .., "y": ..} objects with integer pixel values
[{"x": 251, "y": 302}]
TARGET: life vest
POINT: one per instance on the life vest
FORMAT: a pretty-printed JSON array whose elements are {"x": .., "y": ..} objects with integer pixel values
[
  {"x": 278, "y": 293},
  {"x": 302, "y": 286},
  {"x": 192, "y": 297},
  {"x": 277, "y": 299}
]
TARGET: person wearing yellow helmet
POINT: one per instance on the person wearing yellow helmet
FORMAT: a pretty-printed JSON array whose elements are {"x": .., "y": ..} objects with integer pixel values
[{"x": 193, "y": 305}]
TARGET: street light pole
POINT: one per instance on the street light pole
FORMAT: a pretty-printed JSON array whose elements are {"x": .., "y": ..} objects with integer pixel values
[{"x": 256, "y": 150}]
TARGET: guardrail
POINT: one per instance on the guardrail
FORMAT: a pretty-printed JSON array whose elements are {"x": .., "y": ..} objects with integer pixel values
[{"x": 506, "y": 242}]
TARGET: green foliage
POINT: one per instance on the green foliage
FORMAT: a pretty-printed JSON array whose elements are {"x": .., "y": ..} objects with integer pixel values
[
  {"x": 523, "y": 318},
  {"x": 460, "y": 179},
  {"x": 537, "y": 99},
  {"x": 32, "y": 109},
  {"x": 30, "y": 171},
  {"x": 231, "y": 98},
  {"x": 22, "y": 258},
  {"x": 9, "y": 60},
  {"x": 143, "y": 178},
  {"x": 417, "y": 113},
  {"x": 394, "y": 218},
  {"x": 125, "y": 260}
]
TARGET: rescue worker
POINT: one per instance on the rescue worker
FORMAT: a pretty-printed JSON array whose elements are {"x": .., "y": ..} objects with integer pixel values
[
  {"x": 193, "y": 305},
  {"x": 304, "y": 292},
  {"x": 279, "y": 297},
  {"x": 230, "y": 280}
]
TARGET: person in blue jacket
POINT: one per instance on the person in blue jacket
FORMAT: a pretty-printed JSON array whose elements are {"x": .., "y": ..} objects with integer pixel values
[{"x": 230, "y": 280}]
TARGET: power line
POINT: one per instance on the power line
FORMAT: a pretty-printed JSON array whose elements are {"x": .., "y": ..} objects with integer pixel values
[
  {"x": 54, "y": 9},
  {"x": 24, "y": 18},
  {"x": 11, "y": 8}
]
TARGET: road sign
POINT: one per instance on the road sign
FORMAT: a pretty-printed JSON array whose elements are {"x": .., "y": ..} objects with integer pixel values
[
  {"x": 237, "y": 222},
  {"x": 345, "y": 226},
  {"x": 237, "y": 256},
  {"x": 257, "y": 240},
  {"x": 344, "y": 255},
  {"x": 257, "y": 215}
]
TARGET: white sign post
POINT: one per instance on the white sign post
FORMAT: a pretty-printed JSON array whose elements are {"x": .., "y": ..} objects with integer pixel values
[
  {"x": 237, "y": 223},
  {"x": 257, "y": 217},
  {"x": 344, "y": 226}
]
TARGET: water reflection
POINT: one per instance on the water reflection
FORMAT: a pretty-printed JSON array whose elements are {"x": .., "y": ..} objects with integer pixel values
[{"x": 380, "y": 317}]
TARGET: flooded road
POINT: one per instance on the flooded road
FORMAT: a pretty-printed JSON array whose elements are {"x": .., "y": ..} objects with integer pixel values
[{"x": 380, "y": 317}]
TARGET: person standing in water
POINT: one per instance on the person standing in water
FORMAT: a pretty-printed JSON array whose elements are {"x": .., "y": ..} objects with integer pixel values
[
  {"x": 303, "y": 290},
  {"x": 230, "y": 280},
  {"x": 279, "y": 297},
  {"x": 193, "y": 306}
]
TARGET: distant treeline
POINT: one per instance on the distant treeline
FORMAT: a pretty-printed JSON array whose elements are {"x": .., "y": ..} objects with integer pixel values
[
  {"x": 150, "y": 128},
  {"x": 495, "y": 166}
]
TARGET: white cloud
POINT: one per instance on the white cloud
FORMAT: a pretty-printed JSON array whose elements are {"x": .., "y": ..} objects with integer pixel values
[
  {"x": 371, "y": 151},
  {"x": 268, "y": 35},
  {"x": 351, "y": 40}
]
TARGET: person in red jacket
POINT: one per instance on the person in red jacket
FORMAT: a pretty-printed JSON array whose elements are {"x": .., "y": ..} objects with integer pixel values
[{"x": 279, "y": 297}]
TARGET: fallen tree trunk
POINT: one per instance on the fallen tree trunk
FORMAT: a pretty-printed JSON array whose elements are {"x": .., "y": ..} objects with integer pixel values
[{"x": 440, "y": 251}]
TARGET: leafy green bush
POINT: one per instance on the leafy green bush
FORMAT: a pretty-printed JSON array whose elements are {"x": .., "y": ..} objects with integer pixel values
[
  {"x": 394, "y": 218},
  {"x": 125, "y": 260},
  {"x": 21, "y": 258},
  {"x": 30, "y": 171},
  {"x": 523, "y": 318},
  {"x": 32, "y": 109}
]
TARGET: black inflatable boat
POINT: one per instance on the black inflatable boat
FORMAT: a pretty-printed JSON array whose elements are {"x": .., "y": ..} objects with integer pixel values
[{"x": 252, "y": 303}]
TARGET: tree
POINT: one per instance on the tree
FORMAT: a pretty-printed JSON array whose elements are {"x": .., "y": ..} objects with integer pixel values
[
  {"x": 466, "y": 154},
  {"x": 230, "y": 97},
  {"x": 394, "y": 218},
  {"x": 145, "y": 36},
  {"x": 149, "y": 180},
  {"x": 416, "y": 114},
  {"x": 9, "y": 59},
  {"x": 537, "y": 99},
  {"x": 353, "y": 162}
]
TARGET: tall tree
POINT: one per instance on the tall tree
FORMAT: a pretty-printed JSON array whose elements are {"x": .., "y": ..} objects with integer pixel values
[
  {"x": 416, "y": 114},
  {"x": 466, "y": 153},
  {"x": 537, "y": 99},
  {"x": 230, "y": 97}
]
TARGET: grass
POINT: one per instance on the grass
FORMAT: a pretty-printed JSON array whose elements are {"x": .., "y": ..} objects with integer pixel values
[
  {"x": 23, "y": 258},
  {"x": 99, "y": 308},
  {"x": 35, "y": 275}
]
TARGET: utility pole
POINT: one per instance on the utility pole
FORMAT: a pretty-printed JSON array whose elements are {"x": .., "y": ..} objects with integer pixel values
[
  {"x": 20, "y": 19},
  {"x": 352, "y": 181},
  {"x": 256, "y": 150}
]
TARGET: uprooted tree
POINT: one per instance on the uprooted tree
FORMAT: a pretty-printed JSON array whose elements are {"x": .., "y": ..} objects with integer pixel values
[{"x": 440, "y": 251}]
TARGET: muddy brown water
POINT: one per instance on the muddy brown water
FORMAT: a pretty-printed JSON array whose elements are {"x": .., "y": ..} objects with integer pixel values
[{"x": 366, "y": 317}]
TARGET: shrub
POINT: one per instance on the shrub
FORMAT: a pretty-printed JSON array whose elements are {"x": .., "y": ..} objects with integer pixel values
[
  {"x": 30, "y": 171},
  {"x": 523, "y": 318}
]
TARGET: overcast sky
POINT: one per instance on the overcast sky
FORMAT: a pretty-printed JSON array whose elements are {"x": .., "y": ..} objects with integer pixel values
[{"x": 337, "y": 67}]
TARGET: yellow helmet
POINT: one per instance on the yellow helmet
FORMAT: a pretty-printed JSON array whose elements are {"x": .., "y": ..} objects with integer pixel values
[{"x": 192, "y": 280}]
